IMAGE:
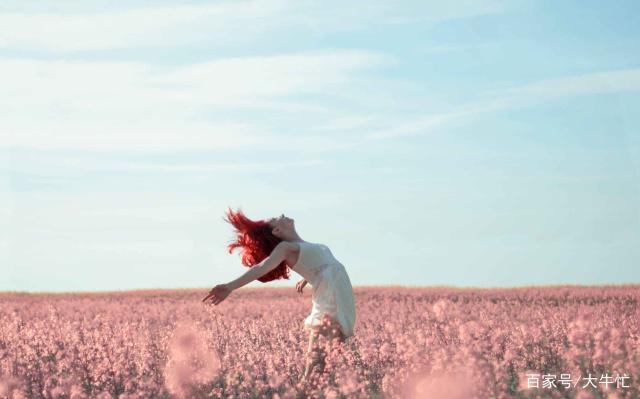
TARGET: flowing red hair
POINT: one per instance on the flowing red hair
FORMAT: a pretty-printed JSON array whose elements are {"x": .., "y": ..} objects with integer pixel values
[{"x": 256, "y": 241}]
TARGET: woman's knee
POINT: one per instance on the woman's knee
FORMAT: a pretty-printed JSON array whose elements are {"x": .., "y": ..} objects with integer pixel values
[
  {"x": 330, "y": 328},
  {"x": 328, "y": 331},
  {"x": 316, "y": 354}
]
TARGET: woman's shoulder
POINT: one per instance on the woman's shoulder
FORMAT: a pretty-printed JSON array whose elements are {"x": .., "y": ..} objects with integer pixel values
[
  {"x": 297, "y": 246},
  {"x": 299, "y": 243},
  {"x": 293, "y": 245}
]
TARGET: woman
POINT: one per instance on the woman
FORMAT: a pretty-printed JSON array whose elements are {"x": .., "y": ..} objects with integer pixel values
[{"x": 270, "y": 248}]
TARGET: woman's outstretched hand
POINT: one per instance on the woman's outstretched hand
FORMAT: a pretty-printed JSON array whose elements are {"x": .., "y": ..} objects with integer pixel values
[
  {"x": 300, "y": 285},
  {"x": 218, "y": 294}
]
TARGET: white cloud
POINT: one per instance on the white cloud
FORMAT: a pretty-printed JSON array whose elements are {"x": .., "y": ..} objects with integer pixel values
[
  {"x": 275, "y": 75},
  {"x": 63, "y": 28},
  {"x": 345, "y": 123},
  {"x": 227, "y": 81},
  {"x": 119, "y": 135},
  {"x": 516, "y": 96},
  {"x": 427, "y": 123},
  {"x": 416, "y": 126},
  {"x": 136, "y": 27},
  {"x": 591, "y": 83},
  {"x": 38, "y": 164},
  {"x": 211, "y": 167},
  {"x": 137, "y": 106}
]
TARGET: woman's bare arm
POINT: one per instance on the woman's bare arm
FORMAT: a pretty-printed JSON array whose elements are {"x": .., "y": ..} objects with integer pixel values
[
  {"x": 221, "y": 291},
  {"x": 277, "y": 256}
]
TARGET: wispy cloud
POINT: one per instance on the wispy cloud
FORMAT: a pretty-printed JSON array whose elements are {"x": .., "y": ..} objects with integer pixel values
[
  {"x": 27, "y": 166},
  {"x": 343, "y": 123},
  {"x": 209, "y": 167},
  {"x": 522, "y": 95},
  {"x": 139, "y": 106},
  {"x": 137, "y": 27},
  {"x": 591, "y": 83},
  {"x": 143, "y": 106},
  {"x": 429, "y": 122},
  {"x": 223, "y": 82},
  {"x": 65, "y": 29}
]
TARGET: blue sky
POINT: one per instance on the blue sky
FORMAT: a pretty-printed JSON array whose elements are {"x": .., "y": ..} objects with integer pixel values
[{"x": 478, "y": 143}]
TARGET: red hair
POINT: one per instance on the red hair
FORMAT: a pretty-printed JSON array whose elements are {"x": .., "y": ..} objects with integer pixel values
[{"x": 256, "y": 241}]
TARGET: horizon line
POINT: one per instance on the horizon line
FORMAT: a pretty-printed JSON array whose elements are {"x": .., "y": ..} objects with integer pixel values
[{"x": 358, "y": 287}]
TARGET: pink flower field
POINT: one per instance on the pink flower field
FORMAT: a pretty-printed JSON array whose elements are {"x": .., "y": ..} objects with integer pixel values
[{"x": 539, "y": 342}]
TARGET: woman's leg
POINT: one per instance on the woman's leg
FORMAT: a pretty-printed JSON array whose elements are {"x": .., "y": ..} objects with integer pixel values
[
  {"x": 330, "y": 329},
  {"x": 356, "y": 355},
  {"x": 313, "y": 354}
]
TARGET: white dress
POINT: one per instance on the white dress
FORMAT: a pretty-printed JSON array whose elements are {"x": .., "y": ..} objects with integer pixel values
[{"x": 332, "y": 290}]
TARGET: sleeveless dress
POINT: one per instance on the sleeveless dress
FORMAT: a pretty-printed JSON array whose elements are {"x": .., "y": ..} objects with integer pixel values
[{"x": 332, "y": 290}]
